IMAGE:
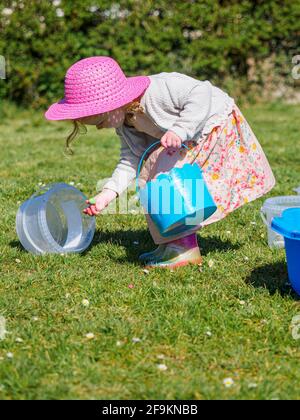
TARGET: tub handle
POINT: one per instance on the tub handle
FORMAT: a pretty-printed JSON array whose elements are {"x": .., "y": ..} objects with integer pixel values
[
  {"x": 278, "y": 243},
  {"x": 263, "y": 216},
  {"x": 43, "y": 189},
  {"x": 48, "y": 187}
]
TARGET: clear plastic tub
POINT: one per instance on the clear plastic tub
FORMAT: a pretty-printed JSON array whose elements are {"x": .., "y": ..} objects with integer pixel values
[
  {"x": 52, "y": 221},
  {"x": 297, "y": 190},
  {"x": 273, "y": 207}
]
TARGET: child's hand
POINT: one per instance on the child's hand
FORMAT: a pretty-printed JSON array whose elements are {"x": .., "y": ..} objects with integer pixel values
[
  {"x": 99, "y": 202},
  {"x": 170, "y": 139}
]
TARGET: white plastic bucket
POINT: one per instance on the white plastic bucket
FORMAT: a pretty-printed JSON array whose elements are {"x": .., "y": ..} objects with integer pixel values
[
  {"x": 52, "y": 221},
  {"x": 274, "y": 207},
  {"x": 297, "y": 190}
]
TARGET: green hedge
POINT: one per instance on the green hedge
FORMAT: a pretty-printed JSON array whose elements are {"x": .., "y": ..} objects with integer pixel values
[{"x": 207, "y": 39}]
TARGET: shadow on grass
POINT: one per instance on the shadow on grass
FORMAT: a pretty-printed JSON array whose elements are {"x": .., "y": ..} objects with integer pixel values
[
  {"x": 138, "y": 241},
  {"x": 17, "y": 244},
  {"x": 274, "y": 278},
  {"x": 128, "y": 237}
]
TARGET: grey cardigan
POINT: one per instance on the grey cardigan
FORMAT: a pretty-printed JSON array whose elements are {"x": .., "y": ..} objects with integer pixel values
[{"x": 177, "y": 102}]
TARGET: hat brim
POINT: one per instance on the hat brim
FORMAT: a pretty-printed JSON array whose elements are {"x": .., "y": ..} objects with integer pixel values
[{"x": 65, "y": 111}]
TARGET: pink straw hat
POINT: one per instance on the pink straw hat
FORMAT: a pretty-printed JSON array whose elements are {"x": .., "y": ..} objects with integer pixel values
[{"x": 95, "y": 85}]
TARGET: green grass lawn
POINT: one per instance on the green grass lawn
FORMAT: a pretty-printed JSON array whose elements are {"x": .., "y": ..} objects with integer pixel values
[{"x": 230, "y": 320}]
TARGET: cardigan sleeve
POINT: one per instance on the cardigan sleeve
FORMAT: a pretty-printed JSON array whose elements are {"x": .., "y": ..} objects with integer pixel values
[
  {"x": 125, "y": 170},
  {"x": 195, "y": 110}
]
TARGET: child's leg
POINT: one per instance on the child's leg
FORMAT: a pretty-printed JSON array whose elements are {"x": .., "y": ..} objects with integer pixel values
[
  {"x": 177, "y": 253},
  {"x": 178, "y": 249},
  {"x": 185, "y": 241},
  {"x": 158, "y": 239},
  {"x": 151, "y": 255}
]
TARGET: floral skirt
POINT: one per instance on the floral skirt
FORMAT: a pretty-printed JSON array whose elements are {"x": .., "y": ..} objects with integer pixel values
[{"x": 234, "y": 166}]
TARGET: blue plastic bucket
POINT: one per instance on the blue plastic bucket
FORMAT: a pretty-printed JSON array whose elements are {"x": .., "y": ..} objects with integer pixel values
[
  {"x": 288, "y": 225},
  {"x": 178, "y": 200}
]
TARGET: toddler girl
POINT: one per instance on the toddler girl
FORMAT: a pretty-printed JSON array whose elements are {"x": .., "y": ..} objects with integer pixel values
[{"x": 173, "y": 108}]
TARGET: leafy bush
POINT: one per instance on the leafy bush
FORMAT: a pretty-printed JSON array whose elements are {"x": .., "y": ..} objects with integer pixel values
[{"x": 223, "y": 41}]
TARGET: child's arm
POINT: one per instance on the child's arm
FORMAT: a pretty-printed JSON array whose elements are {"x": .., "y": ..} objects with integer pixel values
[
  {"x": 99, "y": 202},
  {"x": 122, "y": 176},
  {"x": 195, "y": 109},
  {"x": 125, "y": 170},
  {"x": 192, "y": 98},
  {"x": 170, "y": 139}
]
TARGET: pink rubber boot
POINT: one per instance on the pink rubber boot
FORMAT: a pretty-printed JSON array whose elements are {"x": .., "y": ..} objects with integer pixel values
[{"x": 178, "y": 253}]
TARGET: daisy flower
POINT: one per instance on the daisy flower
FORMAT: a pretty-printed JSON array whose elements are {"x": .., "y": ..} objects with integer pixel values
[{"x": 228, "y": 382}]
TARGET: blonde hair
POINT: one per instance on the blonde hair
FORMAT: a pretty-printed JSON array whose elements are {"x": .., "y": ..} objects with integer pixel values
[
  {"x": 76, "y": 130},
  {"x": 130, "y": 110}
]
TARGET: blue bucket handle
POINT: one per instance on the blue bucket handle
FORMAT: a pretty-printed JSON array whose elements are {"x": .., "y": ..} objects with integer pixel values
[{"x": 142, "y": 158}]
